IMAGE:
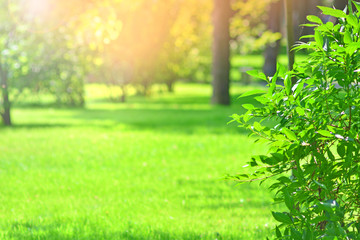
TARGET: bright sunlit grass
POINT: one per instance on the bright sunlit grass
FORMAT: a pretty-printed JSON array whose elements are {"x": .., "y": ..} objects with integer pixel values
[
  {"x": 140, "y": 170},
  {"x": 243, "y": 63}
]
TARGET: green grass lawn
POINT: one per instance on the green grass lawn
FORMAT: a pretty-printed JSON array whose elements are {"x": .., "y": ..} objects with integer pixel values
[
  {"x": 147, "y": 169},
  {"x": 239, "y": 62}
]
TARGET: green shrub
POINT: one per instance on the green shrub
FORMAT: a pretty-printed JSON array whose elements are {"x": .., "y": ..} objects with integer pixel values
[{"x": 314, "y": 146}]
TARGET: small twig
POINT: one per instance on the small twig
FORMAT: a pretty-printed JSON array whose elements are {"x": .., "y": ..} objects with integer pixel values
[{"x": 256, "y": 179}]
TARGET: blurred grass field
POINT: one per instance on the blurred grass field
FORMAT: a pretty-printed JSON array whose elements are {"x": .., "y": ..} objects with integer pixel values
[
  {"x": 146, "y": 169},
  {"x": 239, "y": 63}
]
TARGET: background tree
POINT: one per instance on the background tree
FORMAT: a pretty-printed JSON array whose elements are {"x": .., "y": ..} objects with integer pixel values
[
  {"x": 340, "y": 4},
  {"x": 271, "y": 52},
  {"x": 108, "y": 39},
  {"x": 301, "y": 9},
  {"x": 14, "y": 64},
  {"x": 290, "y": 34},
  {"x": 221, "y": 52}
]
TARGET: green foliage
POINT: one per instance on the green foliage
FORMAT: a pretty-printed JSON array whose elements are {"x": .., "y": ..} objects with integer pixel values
[
  {"x": 38, "y": 58},
  {"x": 312, "y": 129},
  {"x": 248, "y": 27}
]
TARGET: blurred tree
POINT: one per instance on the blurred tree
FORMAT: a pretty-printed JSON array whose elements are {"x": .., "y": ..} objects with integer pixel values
[
  {"x": 340, "y": 4},
  {"x": 5, "y": 113},
  {"x": 248, "y": 28},
  {"x": 185, "y": 52},
  {"x": 172, "y": 45},
  {"x": 221, "y": 52},
  {"x": 271, "y": 52},
  {"x": 290, "y": 34},
  {"x": 301, "y": 10},
  {"x": 137, "y": 45},
  {"x": 45, "y": 46},
  {"x": 14, "y": 62},
  {"x": 70, "y": 37}
]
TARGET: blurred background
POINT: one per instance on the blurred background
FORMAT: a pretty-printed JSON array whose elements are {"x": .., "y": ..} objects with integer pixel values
[
  {"x": 50, "y": 50},
  {"x": 119, "y": 124}
]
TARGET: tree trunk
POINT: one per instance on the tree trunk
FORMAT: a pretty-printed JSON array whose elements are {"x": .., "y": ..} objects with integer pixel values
[
  {"x": 290, "y": 35},
  {"x": 272, "y": 50},
  {"x": 221, "y": 52},
  {"x": 6, "y": 117},
  {"x": 170, "y": 86},
  {"x": 301, "y": 10},
  {"x": 340, "y": 4},
  {"x": 123, "y": 95}
]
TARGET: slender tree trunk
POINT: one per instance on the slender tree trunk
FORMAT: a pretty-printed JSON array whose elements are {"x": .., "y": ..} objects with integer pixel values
[
  {"x": 123, "y": 96},
  {"x": 170, "y": 86},
  {"x": 272, "y": 50},
  {"x": 290, "y": 35},
  {"x": 340, "y": 4},
  {"x": 221, "y": 52},
  {"x": 6, "y": 117},
  {"x": 301, "y": 10}
]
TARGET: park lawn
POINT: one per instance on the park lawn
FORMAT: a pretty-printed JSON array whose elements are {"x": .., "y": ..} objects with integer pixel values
[
  {"x": 241, "y": 63},
  {"x": 150, "y": 168}
]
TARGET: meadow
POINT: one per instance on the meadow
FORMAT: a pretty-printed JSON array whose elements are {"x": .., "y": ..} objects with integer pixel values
[{"x": 150, "y": 168}]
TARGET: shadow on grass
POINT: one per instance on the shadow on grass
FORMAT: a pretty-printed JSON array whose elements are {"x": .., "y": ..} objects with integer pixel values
[
  {"x": 182, "y": 116},
  {"x": 159, "y": 100},
  {"x": 29, "y": 231},
  {"x": 111, "y": 236},
  {"x": 37, "y": 125},
  {"x": 164, "y": 119},
  {"x": 172, "y": 116},
  {"x": 223, "y": 197}
]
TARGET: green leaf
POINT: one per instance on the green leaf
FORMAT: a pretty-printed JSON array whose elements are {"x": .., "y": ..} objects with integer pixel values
[
  {"x": 341, "y": 150},
  {"x": 347, "y": 37},
  {"x": 278, "y": 233},
  {"x": 320, "y": 185},
  {"x": 329, "y": 25},
  {"x": 284, "y": 180},
  {"x": 306, "y": 36},
  {"x": 309, "y": 25},
  {"x": 352, "y": 20},
  {"x": 331, "y": 128},
  {"x": 258, "y": 126},
  {"x": 257, "y": 74},
  {"x": 282, "y": 217},
  {"x": 253, "y": 92},
  {"x": 352, "y": 47},
  {"x": 357, "y": 5},
  {"x": 318, "y": 219},
  {"x": 314, "y": 19},
  {"x": 281, "y": 69},
  {"x": 289, "y": 134},
  {"x": 328, "y": 205},
  {"x": 330, "y": 155},
  {"x": 289, "y": 202},
  {"x": 287, "y": 83},
  {"x": 332, "y": 12},
  {"x": 302, "y": 46},
  {"x": 275, "y": 77},
  {"x": 300, "y": 111},
  {"x": 248, "y": 106},
  {"x": 295, "y": 234},
  {"x": 308, "y": 234},
  {"x": 325, "y": 133},
  {"x": 319, "y": 39}
]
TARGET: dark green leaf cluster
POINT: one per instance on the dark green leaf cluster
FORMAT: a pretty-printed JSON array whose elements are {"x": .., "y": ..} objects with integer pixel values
[{"x": 314, "y": 143}]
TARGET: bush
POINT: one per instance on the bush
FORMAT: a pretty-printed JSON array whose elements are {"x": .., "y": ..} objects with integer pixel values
[{"x": 314, "y": 152}]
